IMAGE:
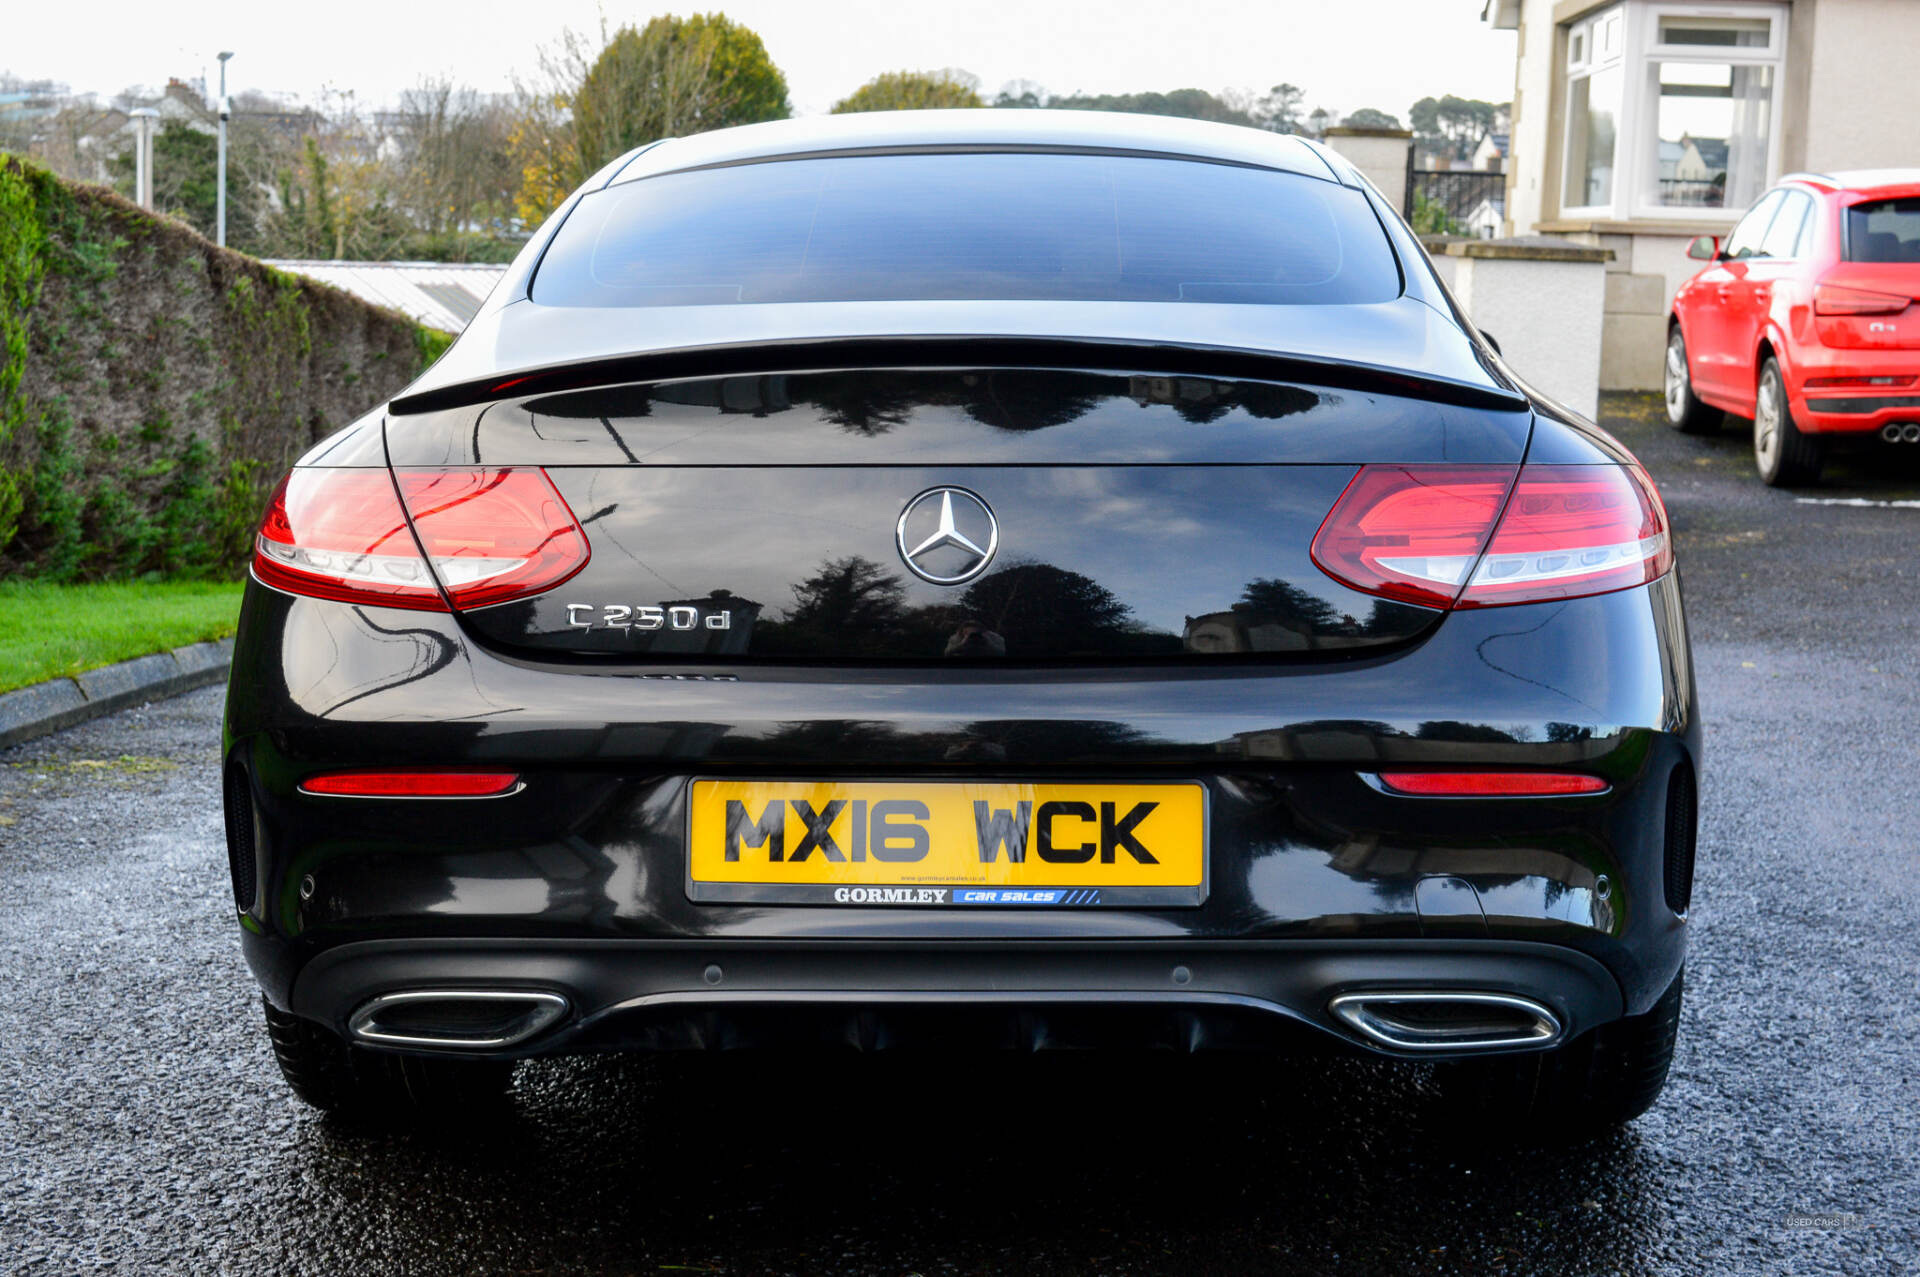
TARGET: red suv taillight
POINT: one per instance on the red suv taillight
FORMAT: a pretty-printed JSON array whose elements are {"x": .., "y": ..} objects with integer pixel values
[
  {"x": 490, "y": 535},
  {"x": 1458, "y": 537},
  {"x": 1834, "y": 299}
]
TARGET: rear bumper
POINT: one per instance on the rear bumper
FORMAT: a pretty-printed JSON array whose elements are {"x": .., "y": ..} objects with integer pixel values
[
  {"x": 1309, "y": 861},
  {"x": 1831, "y": 413},
  {"x": 1853, "y": 410},
  {"x": 635, "y": 995}
]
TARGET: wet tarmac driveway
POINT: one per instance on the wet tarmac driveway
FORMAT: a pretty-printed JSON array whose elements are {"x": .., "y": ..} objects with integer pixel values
[{"x": 143, "y": 1127}]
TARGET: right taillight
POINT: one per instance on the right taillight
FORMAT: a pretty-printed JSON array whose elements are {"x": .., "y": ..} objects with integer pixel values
[
  {"x": 489, "y": 536},
  {"x": 1456, "y": 537}
]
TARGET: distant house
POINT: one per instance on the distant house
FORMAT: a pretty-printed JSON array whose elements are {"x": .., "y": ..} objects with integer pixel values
[
  {"x": 1485, "y": 219},
  {"x": 1638, "y": 124},
  {"x": 1491, "y": 155}
]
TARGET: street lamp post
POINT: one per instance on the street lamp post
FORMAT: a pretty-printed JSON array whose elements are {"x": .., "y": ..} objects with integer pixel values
[
  {"x": 220, "y": 177},
  {"x": 143, "y": 119}
]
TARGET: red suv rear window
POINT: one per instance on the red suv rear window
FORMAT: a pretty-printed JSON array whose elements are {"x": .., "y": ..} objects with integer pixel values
[{"x": 1884, "y": 231}]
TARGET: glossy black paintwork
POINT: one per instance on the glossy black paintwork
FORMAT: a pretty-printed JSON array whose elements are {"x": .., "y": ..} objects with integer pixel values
[
  {"x": 804, "y": 562},
  {"x": 1303, "y": 846},
  {"x": 1318, "y": 877},
  {"x": 972, "y": 415},
  {"x": 773, "y": 499}
]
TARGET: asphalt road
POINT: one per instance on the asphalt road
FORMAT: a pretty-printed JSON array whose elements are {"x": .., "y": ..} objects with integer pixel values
[{"x": 143, "y": 1127}]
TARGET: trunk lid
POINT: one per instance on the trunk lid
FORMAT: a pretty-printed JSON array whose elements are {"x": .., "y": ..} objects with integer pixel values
[{"x": 842, "y": 514}]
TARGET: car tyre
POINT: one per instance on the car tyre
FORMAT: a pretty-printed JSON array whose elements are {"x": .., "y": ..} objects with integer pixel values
[
  {"x": 1783, "y": 455},
  {"x": 347, "y": 1081},
  {"x": 1686, "y": 412},
  {"x": 1587, "y": 1087}
]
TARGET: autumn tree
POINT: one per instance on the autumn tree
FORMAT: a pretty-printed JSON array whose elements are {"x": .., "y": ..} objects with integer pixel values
[
  {"x": 671, "y": 77},
  {"x": 586, "y": 105},
  {"x": 912, "y": 91},
  {"x": 336, "y": 203},
  {"x": 540, "y": 139}
]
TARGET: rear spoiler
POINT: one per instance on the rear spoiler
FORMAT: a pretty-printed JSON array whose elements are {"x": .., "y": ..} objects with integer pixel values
[{"x": 1079, "y": 353}]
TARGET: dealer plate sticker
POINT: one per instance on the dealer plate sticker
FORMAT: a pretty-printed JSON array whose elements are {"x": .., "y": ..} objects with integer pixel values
[{"x": 948, "y": 844}]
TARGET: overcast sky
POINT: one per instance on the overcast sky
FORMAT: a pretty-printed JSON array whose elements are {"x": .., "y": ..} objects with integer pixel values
[{"x": 1345, "y": 53}]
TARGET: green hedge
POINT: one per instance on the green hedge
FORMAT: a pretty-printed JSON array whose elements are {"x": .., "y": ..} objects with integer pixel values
[{"x": 154, "y": 387}]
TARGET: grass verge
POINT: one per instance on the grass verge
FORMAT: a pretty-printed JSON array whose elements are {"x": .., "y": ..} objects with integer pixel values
[{"x": 54, "y": 631}]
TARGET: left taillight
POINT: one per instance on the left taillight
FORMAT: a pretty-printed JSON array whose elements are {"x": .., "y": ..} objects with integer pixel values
[
  {"x": 341, "y": 534},
  {"x": 490, "y": 535},
  {"x": 1465, "y": 537}
]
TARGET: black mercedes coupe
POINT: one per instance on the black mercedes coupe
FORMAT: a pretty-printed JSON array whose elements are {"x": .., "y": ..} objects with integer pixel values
[{"x": 998, "y": 579}]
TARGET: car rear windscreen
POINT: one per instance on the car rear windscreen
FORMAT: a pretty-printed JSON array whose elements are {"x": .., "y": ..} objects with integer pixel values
[
  {"x": 970, "y": 226},
  {"x": 1884, "y": 231}
]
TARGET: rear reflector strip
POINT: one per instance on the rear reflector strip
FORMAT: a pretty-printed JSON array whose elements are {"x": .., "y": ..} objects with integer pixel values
[
  {"x": 411, "y": 784},
  {"x": 1491, "y": 784}
]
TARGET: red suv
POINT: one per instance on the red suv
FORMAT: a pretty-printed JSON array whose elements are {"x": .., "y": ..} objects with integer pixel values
[{"x": 1805, "y": 321}]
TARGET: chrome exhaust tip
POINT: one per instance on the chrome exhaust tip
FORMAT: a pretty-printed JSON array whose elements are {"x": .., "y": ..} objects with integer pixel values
[
  {"x": 1463, "y": 1020},
  {"x": 456, "y": 1019},
  {"x": 1910, "y": 433},
  {"x": 1891, "y": 433}
]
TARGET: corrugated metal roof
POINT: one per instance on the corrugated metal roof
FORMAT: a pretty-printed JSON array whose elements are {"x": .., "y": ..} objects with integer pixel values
[{"x": 441, "y": 295}]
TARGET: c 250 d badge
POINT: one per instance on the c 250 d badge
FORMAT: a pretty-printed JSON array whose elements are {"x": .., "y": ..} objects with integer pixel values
[{"x": 621, "y": 616}]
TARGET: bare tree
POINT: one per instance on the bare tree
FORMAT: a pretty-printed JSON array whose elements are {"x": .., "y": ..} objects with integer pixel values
[{"x": 455, "y": 170}]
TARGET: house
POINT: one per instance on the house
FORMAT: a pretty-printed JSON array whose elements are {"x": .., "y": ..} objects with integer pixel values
[
  {"x": 1638, "y": 124},
  {"x": 1491, "y": 155},
  {"x": 1485, "y": 220}
]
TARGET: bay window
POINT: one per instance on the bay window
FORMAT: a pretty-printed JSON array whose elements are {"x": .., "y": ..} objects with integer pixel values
[{"x": 1672, "y": 110}]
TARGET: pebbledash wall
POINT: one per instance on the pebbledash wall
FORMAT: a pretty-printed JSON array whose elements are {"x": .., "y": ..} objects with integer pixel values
[
  {"x": 1542, "y": 300},
  {"x": 154, "y": 387},
  {"x": 1836, "y": 78}
]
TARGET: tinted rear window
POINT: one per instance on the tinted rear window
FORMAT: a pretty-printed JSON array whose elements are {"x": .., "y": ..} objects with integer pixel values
[
  {"x": 1884, "y": 231},
  {"x": 990, "y": 227}
]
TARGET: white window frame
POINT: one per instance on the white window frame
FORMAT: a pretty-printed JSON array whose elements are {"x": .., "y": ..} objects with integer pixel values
[
  {"x": 1643, "y": 98},
  {"x": 1635, "y": 151},
  {"x": 1585, "y": 32}
]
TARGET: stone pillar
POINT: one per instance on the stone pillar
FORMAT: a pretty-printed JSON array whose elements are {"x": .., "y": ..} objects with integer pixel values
[
  {"x": 1544, "y": 301},
  {"x": 1381, "y": 154}
]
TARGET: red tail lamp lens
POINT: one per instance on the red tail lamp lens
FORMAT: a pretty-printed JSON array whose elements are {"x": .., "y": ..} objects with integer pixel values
[
  {"x": 493, "y": 535},
  {"x": 1447, "y": 536},
  {"x": 340, "y": 534},
  {"x": 1491, "y": 784},
  {"x": 1570, "y": 531},
  {"x": 411, "y": 784},
  {"x": 1411, "y": 533},
  {"x": 1832, "y": 299},
  {"x": 490, "y": 535}
]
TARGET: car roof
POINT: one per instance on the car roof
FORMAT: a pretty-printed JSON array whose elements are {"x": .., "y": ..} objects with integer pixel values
[
  {"x": 1859, "y": 180},
  {"x": 988, "y": 129}
]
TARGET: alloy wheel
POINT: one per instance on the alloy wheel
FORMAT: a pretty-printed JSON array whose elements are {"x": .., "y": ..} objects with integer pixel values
[
  {"x": 1676, "y": 377},
  {"x": 1766, "y": 421}
]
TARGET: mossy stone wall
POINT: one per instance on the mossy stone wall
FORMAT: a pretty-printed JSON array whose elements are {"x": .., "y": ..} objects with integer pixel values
[{"x": 154, "y": 387}]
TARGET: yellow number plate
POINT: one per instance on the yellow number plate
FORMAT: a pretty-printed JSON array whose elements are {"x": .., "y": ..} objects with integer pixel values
[{"x": 936, "y": 843}]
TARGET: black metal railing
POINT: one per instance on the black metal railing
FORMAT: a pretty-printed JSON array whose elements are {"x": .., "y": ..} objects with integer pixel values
[{"x": 1457, "y": 191}]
